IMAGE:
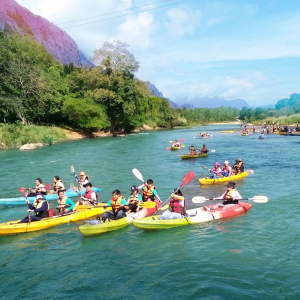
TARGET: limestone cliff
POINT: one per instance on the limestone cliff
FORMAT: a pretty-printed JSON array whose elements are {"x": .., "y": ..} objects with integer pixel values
[{"x": 57, "y": 42}]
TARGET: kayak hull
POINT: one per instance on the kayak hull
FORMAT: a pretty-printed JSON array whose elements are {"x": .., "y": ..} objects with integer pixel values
[
  {"x": 173, "y": 148},
  {"x": 14, "y": 227},
  {"x": 89, "y": 229},
  {"x": 228, "y": 131},
  {"x": 207, "y": 180},
  {"x": 9, "y": 202},
  {"x": 195, "y": 216},
  {"x": 189, "y": 156}
]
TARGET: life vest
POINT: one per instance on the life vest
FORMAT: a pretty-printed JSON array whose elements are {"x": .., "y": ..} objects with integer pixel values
[
  {"x": 39, "y": 187},
  {"x": 193, "y": 151},
  {"x": 204, "y": 149},
  {"x": 89, "y": 196},
  {"x": 134, "y": 197},
  {"x": 226, "y": 168},
  {"x": 63, "y": 202},
  {"x": 148, "y": 193},
  {"x": 115, "y": 203},
  {"x": 84, "y": 178},
  {"x": 239, "y": 166},
  {"x": 57, "y": 187},
  {"x": 217, "y": 170},
  {"x": 176, "y": 206},
  {"x": 228, "y": 197},
  {"x": 42, "y": 214}
]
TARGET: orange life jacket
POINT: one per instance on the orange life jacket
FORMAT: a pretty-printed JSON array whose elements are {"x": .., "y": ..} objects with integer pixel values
[
  {"x": 115, "y": 203},
  {"x": 148, "y": 193}
]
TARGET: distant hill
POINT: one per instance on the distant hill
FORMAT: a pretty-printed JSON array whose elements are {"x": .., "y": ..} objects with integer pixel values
[
  {"x": 272, "y": 106},
  {"x": 56, "y": 41}
]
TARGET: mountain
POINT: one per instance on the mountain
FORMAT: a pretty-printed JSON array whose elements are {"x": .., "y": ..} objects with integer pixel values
[
  {"x": 214, "y": 102},
  {"x": 57, "y": 42},
  {"x": 272, "y": 106},
  {"x": 154, "y": 91}
]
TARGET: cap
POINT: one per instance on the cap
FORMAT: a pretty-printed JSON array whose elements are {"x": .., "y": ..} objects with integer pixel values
[
  {"x": 82, "y": 173},
  {"x": 39, "y": 197},
  {"x": 230, "y": 184},
  {"x": 177, "y": 192},
  {"x": 134, "y": 188},
  {"x": 226, "y": 162}
]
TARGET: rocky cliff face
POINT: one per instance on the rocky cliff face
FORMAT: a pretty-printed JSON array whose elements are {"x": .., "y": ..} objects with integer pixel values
[{"x": 15, "y": 17}]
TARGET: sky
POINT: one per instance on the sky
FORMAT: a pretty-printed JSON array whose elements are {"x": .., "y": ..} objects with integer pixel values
[{"x": 232, "y": 49}]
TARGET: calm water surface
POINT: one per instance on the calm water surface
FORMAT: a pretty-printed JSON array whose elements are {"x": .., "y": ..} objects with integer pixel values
[{"x": 253, "y": 256}]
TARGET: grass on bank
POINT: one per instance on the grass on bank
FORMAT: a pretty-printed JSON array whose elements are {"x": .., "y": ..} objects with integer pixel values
[
  {"x": 291, "y": 120},
  {"x": 16, "y": 135}
]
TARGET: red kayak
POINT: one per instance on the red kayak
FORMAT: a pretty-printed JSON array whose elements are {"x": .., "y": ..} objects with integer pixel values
[{"x": 229, "y": 210}]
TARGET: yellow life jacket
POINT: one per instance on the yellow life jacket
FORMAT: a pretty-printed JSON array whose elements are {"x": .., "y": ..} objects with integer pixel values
[
  {"x": 63, "y": 202},
  {"x": 57, "y": 187},
  {"x": 39, "y": 187},
  {"x": 43, "y": 214},
  {"x": 148, "y": 192},
  {"x": 229, "y": 193},
  {"x": 84, "y": 178},
  {"x": 134, "y": 197}
]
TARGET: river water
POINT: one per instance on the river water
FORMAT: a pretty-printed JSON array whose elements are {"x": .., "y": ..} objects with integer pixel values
[{"x": 253, "y": 256}]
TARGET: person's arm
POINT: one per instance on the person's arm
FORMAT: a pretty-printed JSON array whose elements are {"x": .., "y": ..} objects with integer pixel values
[
  {"x": 124, "y": 203},
  {"x": 155, "y": 194},
  {"x": 180, "y": 198},
  {"x": 236, "y": 195},
  {"x": 230, "y": 171},
  {"x": 71, "y": 203},
  {"x": 141, "y": 187},
  {"x": 76, "y": 178},
  {"x": 221, "y": 197},
  {"x": 109, "y": 203},
  {"x": 140, "y": 197}
]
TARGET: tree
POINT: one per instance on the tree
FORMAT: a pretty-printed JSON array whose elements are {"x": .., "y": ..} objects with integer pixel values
[{"x": 115, "y": 56}]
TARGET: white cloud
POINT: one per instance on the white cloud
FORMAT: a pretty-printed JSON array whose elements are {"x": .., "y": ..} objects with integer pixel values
[{"x": 180, "y": 22}]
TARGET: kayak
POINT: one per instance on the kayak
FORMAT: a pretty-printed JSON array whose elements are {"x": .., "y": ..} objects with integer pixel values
[
  {"x": 208, "y": 180},
  {"x": 195, "y": 216},
  {"x": 175, "y": 148},
  {"x": 14, "y": 227},
  {"x": 89, "y": 229},
  {"x": 290, "y": 133},
  {"x": 244, "y": 134},
  {"x": 187, "y": 156},
  {"x": 228, "y": 131},
  {"x": 22, "y": 200}
]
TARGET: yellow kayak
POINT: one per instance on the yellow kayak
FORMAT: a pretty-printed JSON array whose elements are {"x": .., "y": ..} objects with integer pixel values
[
  {"x": 187, "y": 156},
  {"x": 208, "y": 180},
  {"x": 228, "y": 131},
  {"x": 14, "y": 227}
]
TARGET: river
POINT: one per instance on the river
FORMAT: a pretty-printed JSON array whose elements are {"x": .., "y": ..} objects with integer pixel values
[{"x": 253, "y": 256}]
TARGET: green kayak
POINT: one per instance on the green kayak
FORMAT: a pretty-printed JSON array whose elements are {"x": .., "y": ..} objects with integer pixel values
[
  {"x": 188, "y": 156},
  {"x": 175, "y": 148}
]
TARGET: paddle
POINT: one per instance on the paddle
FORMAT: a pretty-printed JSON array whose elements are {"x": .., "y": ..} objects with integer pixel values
[
  {"x": 22, "y": 188},
  {"x": 168, "y": 148},
  {"x": 179, "y": 141},
  {"x": 187, "y": 178},
  {"x": 249, "y": 171},
  {"x": 257, "y": 199},
  {"x": 221, "y": 175},
  {"x": 138, "y": 174},
  {"x": 143, "y": 205}
]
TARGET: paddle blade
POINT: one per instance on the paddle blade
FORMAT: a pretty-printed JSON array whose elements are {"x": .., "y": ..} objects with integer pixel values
[
  {"x": 199, "y": 199},
  {"x": 22, "y": 189},
  {"x": 47, "y": 187},
  {"x": 187, "y": 178},
  {"x": 259, "y": 199},
  {"x": 181, "y": 140},
  {"x": 250, "y": 171},
  {"x": 72, "y": 185},
  {"x": 82, "y": 207},
  {"x": 213, "y": 151},
  {"x": 72, "y": 169},
  {"x": 147, "y": 204},
  {"x": 165, "y": 207},
  {"x": 203, "y": 167},
  {"x": 182, "y": 146},
  {"x": 170, "y": 141},
  {"x": 137, "y": 174},
  {"x": 168, "y": 148}
]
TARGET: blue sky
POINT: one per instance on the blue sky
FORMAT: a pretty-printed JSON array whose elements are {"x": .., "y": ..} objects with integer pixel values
[{"x": 198, "y": 48}]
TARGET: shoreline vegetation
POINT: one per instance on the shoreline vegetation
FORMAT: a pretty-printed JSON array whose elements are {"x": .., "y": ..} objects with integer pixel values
[{"x": 42, "y": 101}]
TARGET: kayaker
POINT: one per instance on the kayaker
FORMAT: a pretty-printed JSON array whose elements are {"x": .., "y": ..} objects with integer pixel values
[
  {"x": 90, "y": 197},
  {"x": 231, "y": 196},
  {"x": 227, "y": 169},
  {"x": 238, "y": 166},
  {"x": 40, "y": 208},
  {"x": 177, "y": 205},
  {"x": 217, "y": 171},
  {"x": 119, "y": 207},
  {"x": 176, "y": 144},
  {"x": 58, "y": 184},
  {"x": 39, "y": 188},
  {"x": 204, "y": 149},
  {"x": 83, "y": 180},
  {"x": 134, "y": 199},
  {"x": 64, "y": 204},
  {"x": 149, "y": 191},
  {"x": 192, "y": 150}
]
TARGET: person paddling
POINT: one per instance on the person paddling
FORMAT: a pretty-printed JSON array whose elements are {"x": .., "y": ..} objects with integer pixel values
[
  {"x": 176, "y": 144},
  {"x": 227, "y": 169},
  {"x": 149, "y": 191},
  {"x": 64, "y": 204},
  {"x": 134, "y": 199},
  {"x": 177, "y": 205},
  {"x": 58, "y": 185},
  {"x": 192, "y": 150},
  {"x": 40, "y": 208},
  {"x": 118, "y": 205},
  {"x": 90, "y": 197},
  {"x": 216, "y": 170},
  {"x": 231, "y": 196},
  {"x": 83, "y": 180},
  {"x": 39, "y": 188},
  {"x": 238, "y": 166},
  {"x": 203, "y": 150}
]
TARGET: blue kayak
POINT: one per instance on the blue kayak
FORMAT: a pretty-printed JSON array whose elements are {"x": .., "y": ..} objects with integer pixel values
[{"x": 22, "y": 200}]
